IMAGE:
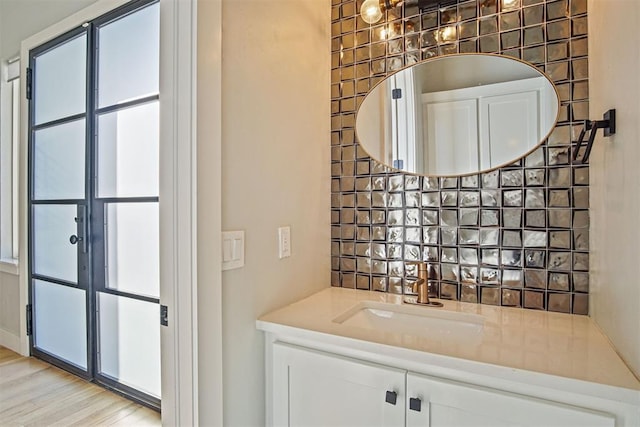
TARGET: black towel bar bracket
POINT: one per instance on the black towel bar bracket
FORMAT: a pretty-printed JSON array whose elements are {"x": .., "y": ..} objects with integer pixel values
[{"x": 608, "y": 124}]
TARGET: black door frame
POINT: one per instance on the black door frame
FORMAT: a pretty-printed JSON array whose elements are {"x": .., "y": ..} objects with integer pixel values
[{"x": 90, "y": 219}]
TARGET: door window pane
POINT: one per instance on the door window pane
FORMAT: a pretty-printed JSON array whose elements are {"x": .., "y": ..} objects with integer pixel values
[
  {"x": 60, "y": 81},
  {"x": 53, "y": 255},
  {"x": 132, "y": 239},
  {"x": 59, "y": 159},
  {"x": 128, "y": 57},
  {"x": 60, "y": 321},
  {"x": 129, "y": 340},
  {"x": 128, "y": 162}
]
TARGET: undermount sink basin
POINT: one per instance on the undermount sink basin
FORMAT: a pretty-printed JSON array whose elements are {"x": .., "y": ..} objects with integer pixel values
[{"x": 414, "y": 320}]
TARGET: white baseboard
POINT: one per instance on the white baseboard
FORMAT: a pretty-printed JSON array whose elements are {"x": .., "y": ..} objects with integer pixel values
[{"x": 10, "y": 340}]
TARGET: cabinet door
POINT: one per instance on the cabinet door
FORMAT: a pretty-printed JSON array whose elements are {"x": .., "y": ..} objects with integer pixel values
[
  {"x": 448, "y": 403},
  {"x": 317, "y": 389}
]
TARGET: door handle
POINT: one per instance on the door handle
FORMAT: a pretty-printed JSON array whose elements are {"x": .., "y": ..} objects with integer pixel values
[
  {"x": 82, "y": 229},
  {"x": 391, "y": 397},
  {"x": 415, "y": 404}
]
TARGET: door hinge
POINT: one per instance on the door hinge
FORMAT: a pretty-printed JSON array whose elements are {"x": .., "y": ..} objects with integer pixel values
[
  {"x": 396, "y": 93},
  {"x": 164, "y": 315},
  {"x": 29, "y": 83},
  {"x": 29, "y": 319}
]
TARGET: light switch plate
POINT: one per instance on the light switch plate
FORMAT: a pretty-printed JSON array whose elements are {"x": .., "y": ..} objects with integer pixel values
[
  {"x": 232, "y": 249},
  {"x": 284, "y": 242}
]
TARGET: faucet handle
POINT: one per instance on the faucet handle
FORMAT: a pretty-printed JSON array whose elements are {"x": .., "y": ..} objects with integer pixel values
[
  {"x": 421, "y": 285},
  {"x": 415, "y": 286}
]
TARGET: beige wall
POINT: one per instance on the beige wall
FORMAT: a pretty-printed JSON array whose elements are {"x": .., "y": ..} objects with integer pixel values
[
  {"x": 275, "y": 164},
  {"x": 208, "y": 199},
  {"x": 614, "y": 61},
  {"x": 9, "y": 299}
]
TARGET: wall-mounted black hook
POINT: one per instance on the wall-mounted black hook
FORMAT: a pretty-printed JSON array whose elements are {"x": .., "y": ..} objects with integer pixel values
[{"x": 608, "y": 123}]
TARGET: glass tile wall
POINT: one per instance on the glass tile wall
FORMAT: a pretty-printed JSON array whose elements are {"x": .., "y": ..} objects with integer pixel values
[{"x": 517, "y": 236}]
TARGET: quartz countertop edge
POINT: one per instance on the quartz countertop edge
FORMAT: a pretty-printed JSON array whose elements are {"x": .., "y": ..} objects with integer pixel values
[{"x": 570, "y": 351}]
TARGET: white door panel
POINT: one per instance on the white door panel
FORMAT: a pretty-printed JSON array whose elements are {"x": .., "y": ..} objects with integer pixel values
[
  {"x": 483, "y": 127},
  {"x": 507, "y": 123},
  {"x": 452, "y": 135}
]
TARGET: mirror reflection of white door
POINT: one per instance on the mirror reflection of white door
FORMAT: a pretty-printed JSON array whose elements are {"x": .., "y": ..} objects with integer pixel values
[
  {"x": 406, "y": 153},
  {"x": 466, "y": 120},
  {"x": 518, "y": 117},
  {"x": 452, "y": 136}
]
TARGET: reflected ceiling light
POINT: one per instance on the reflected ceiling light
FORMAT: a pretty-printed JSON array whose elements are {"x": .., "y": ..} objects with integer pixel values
[
  {"x": 447, "y": 34},
  {"x": 372, "y": 10}
]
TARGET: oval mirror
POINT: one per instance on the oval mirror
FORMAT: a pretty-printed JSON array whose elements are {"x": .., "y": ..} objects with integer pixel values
[{"x": 457, "y": 115}]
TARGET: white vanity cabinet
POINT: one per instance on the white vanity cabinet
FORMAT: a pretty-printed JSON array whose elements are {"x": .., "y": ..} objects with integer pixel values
[
  {"x": 312, "y": 388},
  {"x": 330, "y": 363},
  {"x": 315, "y": 388}
]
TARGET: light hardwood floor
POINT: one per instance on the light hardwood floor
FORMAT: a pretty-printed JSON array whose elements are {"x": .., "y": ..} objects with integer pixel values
[{"x": 34, "y": 393}]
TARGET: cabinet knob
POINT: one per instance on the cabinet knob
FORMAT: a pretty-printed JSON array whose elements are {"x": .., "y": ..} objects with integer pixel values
[
  {"x": 415, "y": 404},
  {"x": 391, "y": 397}
]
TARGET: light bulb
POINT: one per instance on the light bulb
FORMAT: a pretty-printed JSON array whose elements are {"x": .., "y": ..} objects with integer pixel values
[{"x": 370, "y": 11}]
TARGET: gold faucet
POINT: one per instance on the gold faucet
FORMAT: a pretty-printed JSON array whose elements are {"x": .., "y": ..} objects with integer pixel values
[{"x": 421, "y": 287}]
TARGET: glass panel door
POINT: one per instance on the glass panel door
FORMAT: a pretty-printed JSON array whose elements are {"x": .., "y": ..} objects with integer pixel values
[
  {"x": 59, "y": 257},
  {"x": 126, "y": 214},
  {"x": 94, "y": 206}
]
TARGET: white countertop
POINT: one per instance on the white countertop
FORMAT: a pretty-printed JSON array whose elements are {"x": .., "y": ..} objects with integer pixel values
[{"x": 562, "y": 345}]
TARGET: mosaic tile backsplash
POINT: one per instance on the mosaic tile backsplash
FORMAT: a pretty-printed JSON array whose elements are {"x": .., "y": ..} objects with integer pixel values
[{"x": 517, "y": 236}]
